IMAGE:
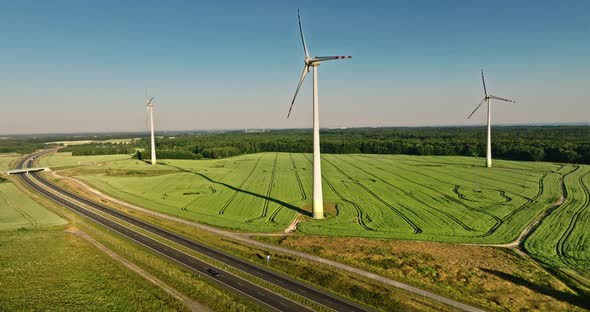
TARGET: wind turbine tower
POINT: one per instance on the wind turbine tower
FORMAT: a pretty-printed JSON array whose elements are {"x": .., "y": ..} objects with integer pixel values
[
  {"x": 150, "y": 108},
  {"x": 488, "y": 98},
  {"x": 318, "y": 201}
]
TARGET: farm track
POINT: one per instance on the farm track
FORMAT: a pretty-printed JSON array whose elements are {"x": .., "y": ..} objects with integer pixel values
[
  {"x": 268, "y": 193},
  {"x": 235, "y": 193},
  {"x": 571, "y": 225},
  {"x": 448, "y": 215},
  {"x": 536, "y": 222},
  {"x": 298, "y": 178},
  {"x": 415, "y": 227}
]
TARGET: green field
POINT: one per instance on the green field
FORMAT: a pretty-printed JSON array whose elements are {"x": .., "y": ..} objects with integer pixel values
[
  {"x": 5, "y": 160},
  {"x": 65, "y": 159},
  {"x": 447, "y": 198},
  {"x": 52, "y": 270},
  {"x": 17, "y": 210},
  {"x": 80, "y": 142},
  {"x": 563, "y": 236}
]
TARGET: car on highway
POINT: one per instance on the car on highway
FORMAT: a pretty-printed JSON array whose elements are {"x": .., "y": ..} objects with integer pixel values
[{"x": 213, "y": 272}]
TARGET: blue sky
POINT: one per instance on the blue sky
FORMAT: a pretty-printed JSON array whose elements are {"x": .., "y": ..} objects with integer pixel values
[{"x": 70, "y": 66}]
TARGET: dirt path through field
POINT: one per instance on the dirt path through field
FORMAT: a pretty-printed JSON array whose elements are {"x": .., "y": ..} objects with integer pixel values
[
  {"x": 188, "y": 302},
  {"x": 532, "y": 226}
]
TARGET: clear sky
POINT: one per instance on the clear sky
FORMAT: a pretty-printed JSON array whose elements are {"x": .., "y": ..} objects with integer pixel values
[{"x": 84, "y": 66}]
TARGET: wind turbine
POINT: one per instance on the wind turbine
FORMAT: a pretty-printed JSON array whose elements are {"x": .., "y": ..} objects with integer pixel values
[
  {"x": 318, "y": 201},
  {"x": 488, "y": 98},
  {"x": 150, "y": 108}
]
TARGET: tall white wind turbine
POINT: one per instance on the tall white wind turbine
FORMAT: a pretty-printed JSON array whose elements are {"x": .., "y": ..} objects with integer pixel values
[
  {"x": 487, "y": 98},
  {"x": 318, "y": 201},
  {"x": 150, "y": 108}
]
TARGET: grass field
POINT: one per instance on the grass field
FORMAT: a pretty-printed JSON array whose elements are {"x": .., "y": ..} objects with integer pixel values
[
  {"x": 17, "y": 210},
  {"x": 52, "y": 270}
]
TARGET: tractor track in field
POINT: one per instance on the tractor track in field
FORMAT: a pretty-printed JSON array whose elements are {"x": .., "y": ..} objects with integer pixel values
[
  {"x": 359, "y": 211},
  {"x": 506, "y": 197},
  {"x": 459, "y": 194},
  {"x": 268, "y": 193},
  {"x": 540, "y": 190},
  {"x": 498, "y": 221},
  {"x": 233, "y": 196},
  {"x": 461, "y": 178},
  {"x": 570, "y": 228},
  {"x": 414, "y": 226},
  {"x": 536, "y": 222},
  {"x": 25, "y": 215},
  {"x": 448, "y": 215},
  {"x": 446, "y": 196},
  {"x": 298, "y": 178}
]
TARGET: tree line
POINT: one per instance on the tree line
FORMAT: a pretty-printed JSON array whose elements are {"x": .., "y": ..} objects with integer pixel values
[{"x": 568, "y": 144}]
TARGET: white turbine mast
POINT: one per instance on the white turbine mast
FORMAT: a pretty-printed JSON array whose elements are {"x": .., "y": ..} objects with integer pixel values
[
  {"x": 150, "y": 109},
  {"x": 318, "y": 201},
  {"x": 488, "y": 98}
]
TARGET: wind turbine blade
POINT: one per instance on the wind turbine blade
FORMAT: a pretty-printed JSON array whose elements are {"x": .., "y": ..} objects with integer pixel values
[
  {"x": 501, "y": 99},
  {"x": 484, "y": 84},
  {"x": 328, "y": 58},
  {"x": 302, "y": 38},
  {"x": 303, "y": 75},
  {"x": 150, "y": 101},
  {"x": 478, "y": 106}
]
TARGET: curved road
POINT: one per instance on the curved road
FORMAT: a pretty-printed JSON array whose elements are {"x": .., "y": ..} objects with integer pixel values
[{"x": 272, "y": 300}]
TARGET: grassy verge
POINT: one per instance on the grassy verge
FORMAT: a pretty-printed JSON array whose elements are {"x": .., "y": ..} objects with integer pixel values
[{"x": 494, "y": 278}]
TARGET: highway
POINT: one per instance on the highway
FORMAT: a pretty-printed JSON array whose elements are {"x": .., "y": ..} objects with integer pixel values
[{"x": 271, "y": 300}]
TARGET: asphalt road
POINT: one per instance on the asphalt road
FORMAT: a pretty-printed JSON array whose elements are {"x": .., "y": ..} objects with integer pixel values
[{"x": 271, "y": 300}]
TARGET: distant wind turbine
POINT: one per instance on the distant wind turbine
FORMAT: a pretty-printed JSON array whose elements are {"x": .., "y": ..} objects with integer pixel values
[
  {"x": 488, "y": 98},
  {"x": 150, "y": 108},
  {"x": 318, "y": 202}
]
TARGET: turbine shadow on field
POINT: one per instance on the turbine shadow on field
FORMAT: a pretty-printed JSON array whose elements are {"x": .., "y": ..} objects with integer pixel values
[
  {"x": 274, "y": 200},
  {"x": 578, "y": 300}
]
